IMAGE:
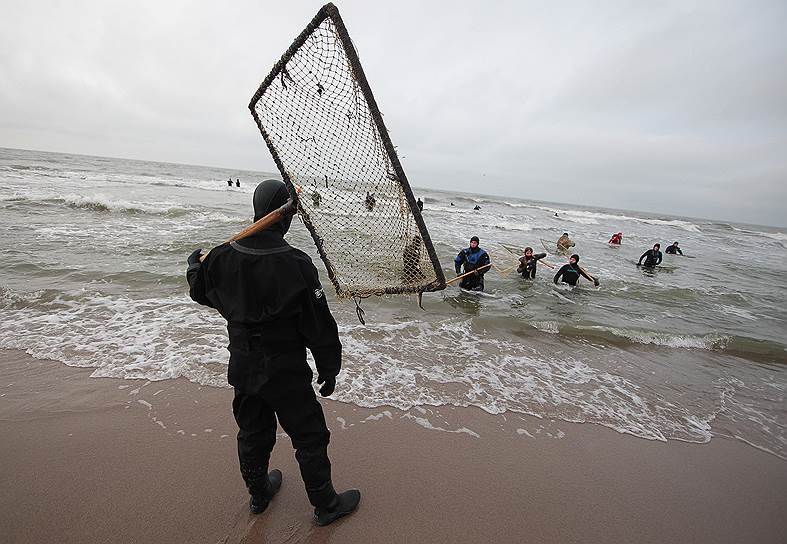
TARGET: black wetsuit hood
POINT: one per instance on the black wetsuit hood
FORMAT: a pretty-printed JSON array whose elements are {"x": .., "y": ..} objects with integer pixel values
[{"x": 268, "y": 196}]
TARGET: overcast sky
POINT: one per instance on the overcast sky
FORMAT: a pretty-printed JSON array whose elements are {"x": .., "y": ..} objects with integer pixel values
[{"x": 670, "y": 107}]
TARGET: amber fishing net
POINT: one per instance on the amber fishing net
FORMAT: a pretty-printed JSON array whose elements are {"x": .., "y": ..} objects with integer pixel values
[{"x": 318, "y": 117}]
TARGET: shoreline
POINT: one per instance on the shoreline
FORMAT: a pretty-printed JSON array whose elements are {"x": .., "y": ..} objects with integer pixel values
[{"x": 102, "y": 459}]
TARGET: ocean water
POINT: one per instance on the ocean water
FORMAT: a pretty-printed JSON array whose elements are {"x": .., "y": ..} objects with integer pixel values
[{"x": 92, "y": 275}]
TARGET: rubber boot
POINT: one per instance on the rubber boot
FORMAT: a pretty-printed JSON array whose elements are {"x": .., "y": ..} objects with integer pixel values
[
  {"x": 341, "y": 505},
  {"x": 259, "y": 502}
]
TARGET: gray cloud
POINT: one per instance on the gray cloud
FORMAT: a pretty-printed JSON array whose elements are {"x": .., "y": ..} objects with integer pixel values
[{"x": 676, "y": 108}]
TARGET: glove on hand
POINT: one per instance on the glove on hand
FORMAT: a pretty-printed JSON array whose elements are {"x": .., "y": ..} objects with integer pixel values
[
  {"x": 194, "y": 257},
  {"x": 328, "y": 385}
]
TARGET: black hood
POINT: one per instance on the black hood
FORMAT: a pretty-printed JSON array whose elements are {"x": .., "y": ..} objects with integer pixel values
[{"x": 268, "y": 196}]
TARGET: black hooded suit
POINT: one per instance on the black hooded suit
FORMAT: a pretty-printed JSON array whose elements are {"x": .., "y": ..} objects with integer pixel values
[{"x": 271, "y": 297}]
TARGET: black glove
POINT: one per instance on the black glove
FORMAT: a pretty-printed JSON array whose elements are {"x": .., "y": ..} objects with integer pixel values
[
  {"x": 194, "y": 257},
  {"x": 595, "y": 282},
  {"x": 328, "y": 385}
]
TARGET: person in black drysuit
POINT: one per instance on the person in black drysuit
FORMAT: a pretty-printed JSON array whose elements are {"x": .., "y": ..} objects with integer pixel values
[
  {"x": 271, "y": 297},
  {"x": 571, "y": 272},
  {"x": 528, "y": 263},
  {"x": 673, "y": 249},
  {"x": 237, "y": 182},
  {"x": 474, "y": 259},
  {"x": 420, "y": 204},
  {"x": 229, "y": 182},
  {"x": 652, "y": 257}
]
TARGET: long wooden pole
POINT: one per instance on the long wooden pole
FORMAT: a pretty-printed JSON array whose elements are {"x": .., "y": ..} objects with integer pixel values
[
  {"x": 586, "y": 272},
  {"x": 452, "y": 280},
  {"x": 289, "y": 208}
]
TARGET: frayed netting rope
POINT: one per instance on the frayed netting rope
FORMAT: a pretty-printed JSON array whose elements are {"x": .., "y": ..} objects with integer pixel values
[{"x": 318, "y": 117}]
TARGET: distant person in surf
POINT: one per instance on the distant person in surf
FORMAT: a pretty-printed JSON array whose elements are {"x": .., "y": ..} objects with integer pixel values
[
  {"x": 477, "y": 207},
  {"x": 370, "y": 201},
  {"x": 616, "y": 239},
  {"x": 564, "y": 242},
  {"x": 652, "y": 257},
  {"x": 528, "y": 263},
  {"x": 452, "y": 203},
  {"x": 275, "y": 307},
  {"x": 673, "y": 249},
  {"x": 472, "y": 259},
  {"x": 229, "y": 182},
  {"x": 556, "y": 215},
  {"x": 237, "y": 182},
  {"x": 316, "y": 199},
  {"x": 420, "y": 204},
  {"x": 571, "y": 272}
]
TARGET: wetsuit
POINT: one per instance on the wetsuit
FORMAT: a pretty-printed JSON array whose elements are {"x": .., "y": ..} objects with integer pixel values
[
  {"x": 271, "y": 297},
  {"x": 527, "y": 267},
  {"x": 672, "y": 250},
  {"x": 652, "y": 258},
  {"x": 420, "y": 205},
  {"x": 472, "y": 259},
  {"x": 615, "y": 239},
  {"x": 571, "y": 273},
  {"x": 564, "y": 242}
]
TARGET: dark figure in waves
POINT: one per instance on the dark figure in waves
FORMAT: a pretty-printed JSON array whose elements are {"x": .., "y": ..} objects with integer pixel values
[
  {"x": 528, "y": 263},
  {"x": 673, "y": 249},
  {"x": 571, "y": 272},
  {"x": 229, "y": 182},
  {"x": 271, "y": 297},
  {"x": 472, "y": 259},
  {"x": 652, "y": 257}
]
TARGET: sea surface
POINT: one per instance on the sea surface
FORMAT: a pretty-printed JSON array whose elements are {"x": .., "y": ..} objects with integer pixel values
[{"x": 93, "y": 275}]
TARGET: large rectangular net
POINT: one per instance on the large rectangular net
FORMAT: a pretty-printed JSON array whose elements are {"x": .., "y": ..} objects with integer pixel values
[{"x": 318, "y": 117}]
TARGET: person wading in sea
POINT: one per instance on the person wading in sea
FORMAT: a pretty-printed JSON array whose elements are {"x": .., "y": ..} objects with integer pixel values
[
  {"x": 271, "y": 297},
  {"x": 475, "y": 260},
  {"x": 652, "y": 257},
  {"x": 673, "y": 249},
  {"x": 570, "y": 272},
  {"x": 564, "y": 242},
  {"x": 528, "y": 263}
]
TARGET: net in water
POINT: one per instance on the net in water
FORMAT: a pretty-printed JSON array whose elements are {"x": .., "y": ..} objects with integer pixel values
[{"x": 321, "y": 123}]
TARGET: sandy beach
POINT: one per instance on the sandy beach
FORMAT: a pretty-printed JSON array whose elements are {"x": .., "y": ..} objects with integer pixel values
[{"x": 104, "y": 460}]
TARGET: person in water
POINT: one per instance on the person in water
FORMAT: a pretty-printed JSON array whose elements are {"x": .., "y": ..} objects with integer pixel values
[
  {"x": 477, "y": 207},
  {"x": 475, "y": 260},
  {"x": 270, "y": 294},
  {"x": 237, "y": 182},
  {"x": 616, "y": 239},
  {"x": 673, "y": 249},
  {"x": 420, "y": 204},
  {"x": 564, "y": 242},
  {"x": 229, "y": 182},
  {"x": 411, "y": 259},
  {"x": 652, "y": 256},
  {"x": 571, "y": 272},
  {"x": 528, "y": 263},
  {"x": 370, "y": 201},
  {"x": 316, "y": 199}
]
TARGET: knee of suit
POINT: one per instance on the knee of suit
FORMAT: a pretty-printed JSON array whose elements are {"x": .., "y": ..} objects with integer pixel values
[
  {"x": 313, "y": 442},
  {"x": 256, "y": 440}
]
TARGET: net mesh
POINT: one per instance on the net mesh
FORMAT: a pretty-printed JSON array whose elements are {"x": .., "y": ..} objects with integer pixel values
[{"x": 319, "y": 119}]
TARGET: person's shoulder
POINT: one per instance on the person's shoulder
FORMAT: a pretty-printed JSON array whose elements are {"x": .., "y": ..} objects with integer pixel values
[
  {"x": 300, "y": 256},
  {"x": 215, "y": 253}
]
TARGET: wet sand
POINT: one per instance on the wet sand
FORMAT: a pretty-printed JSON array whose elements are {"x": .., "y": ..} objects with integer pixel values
[{"x": 104, "y": 460}]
